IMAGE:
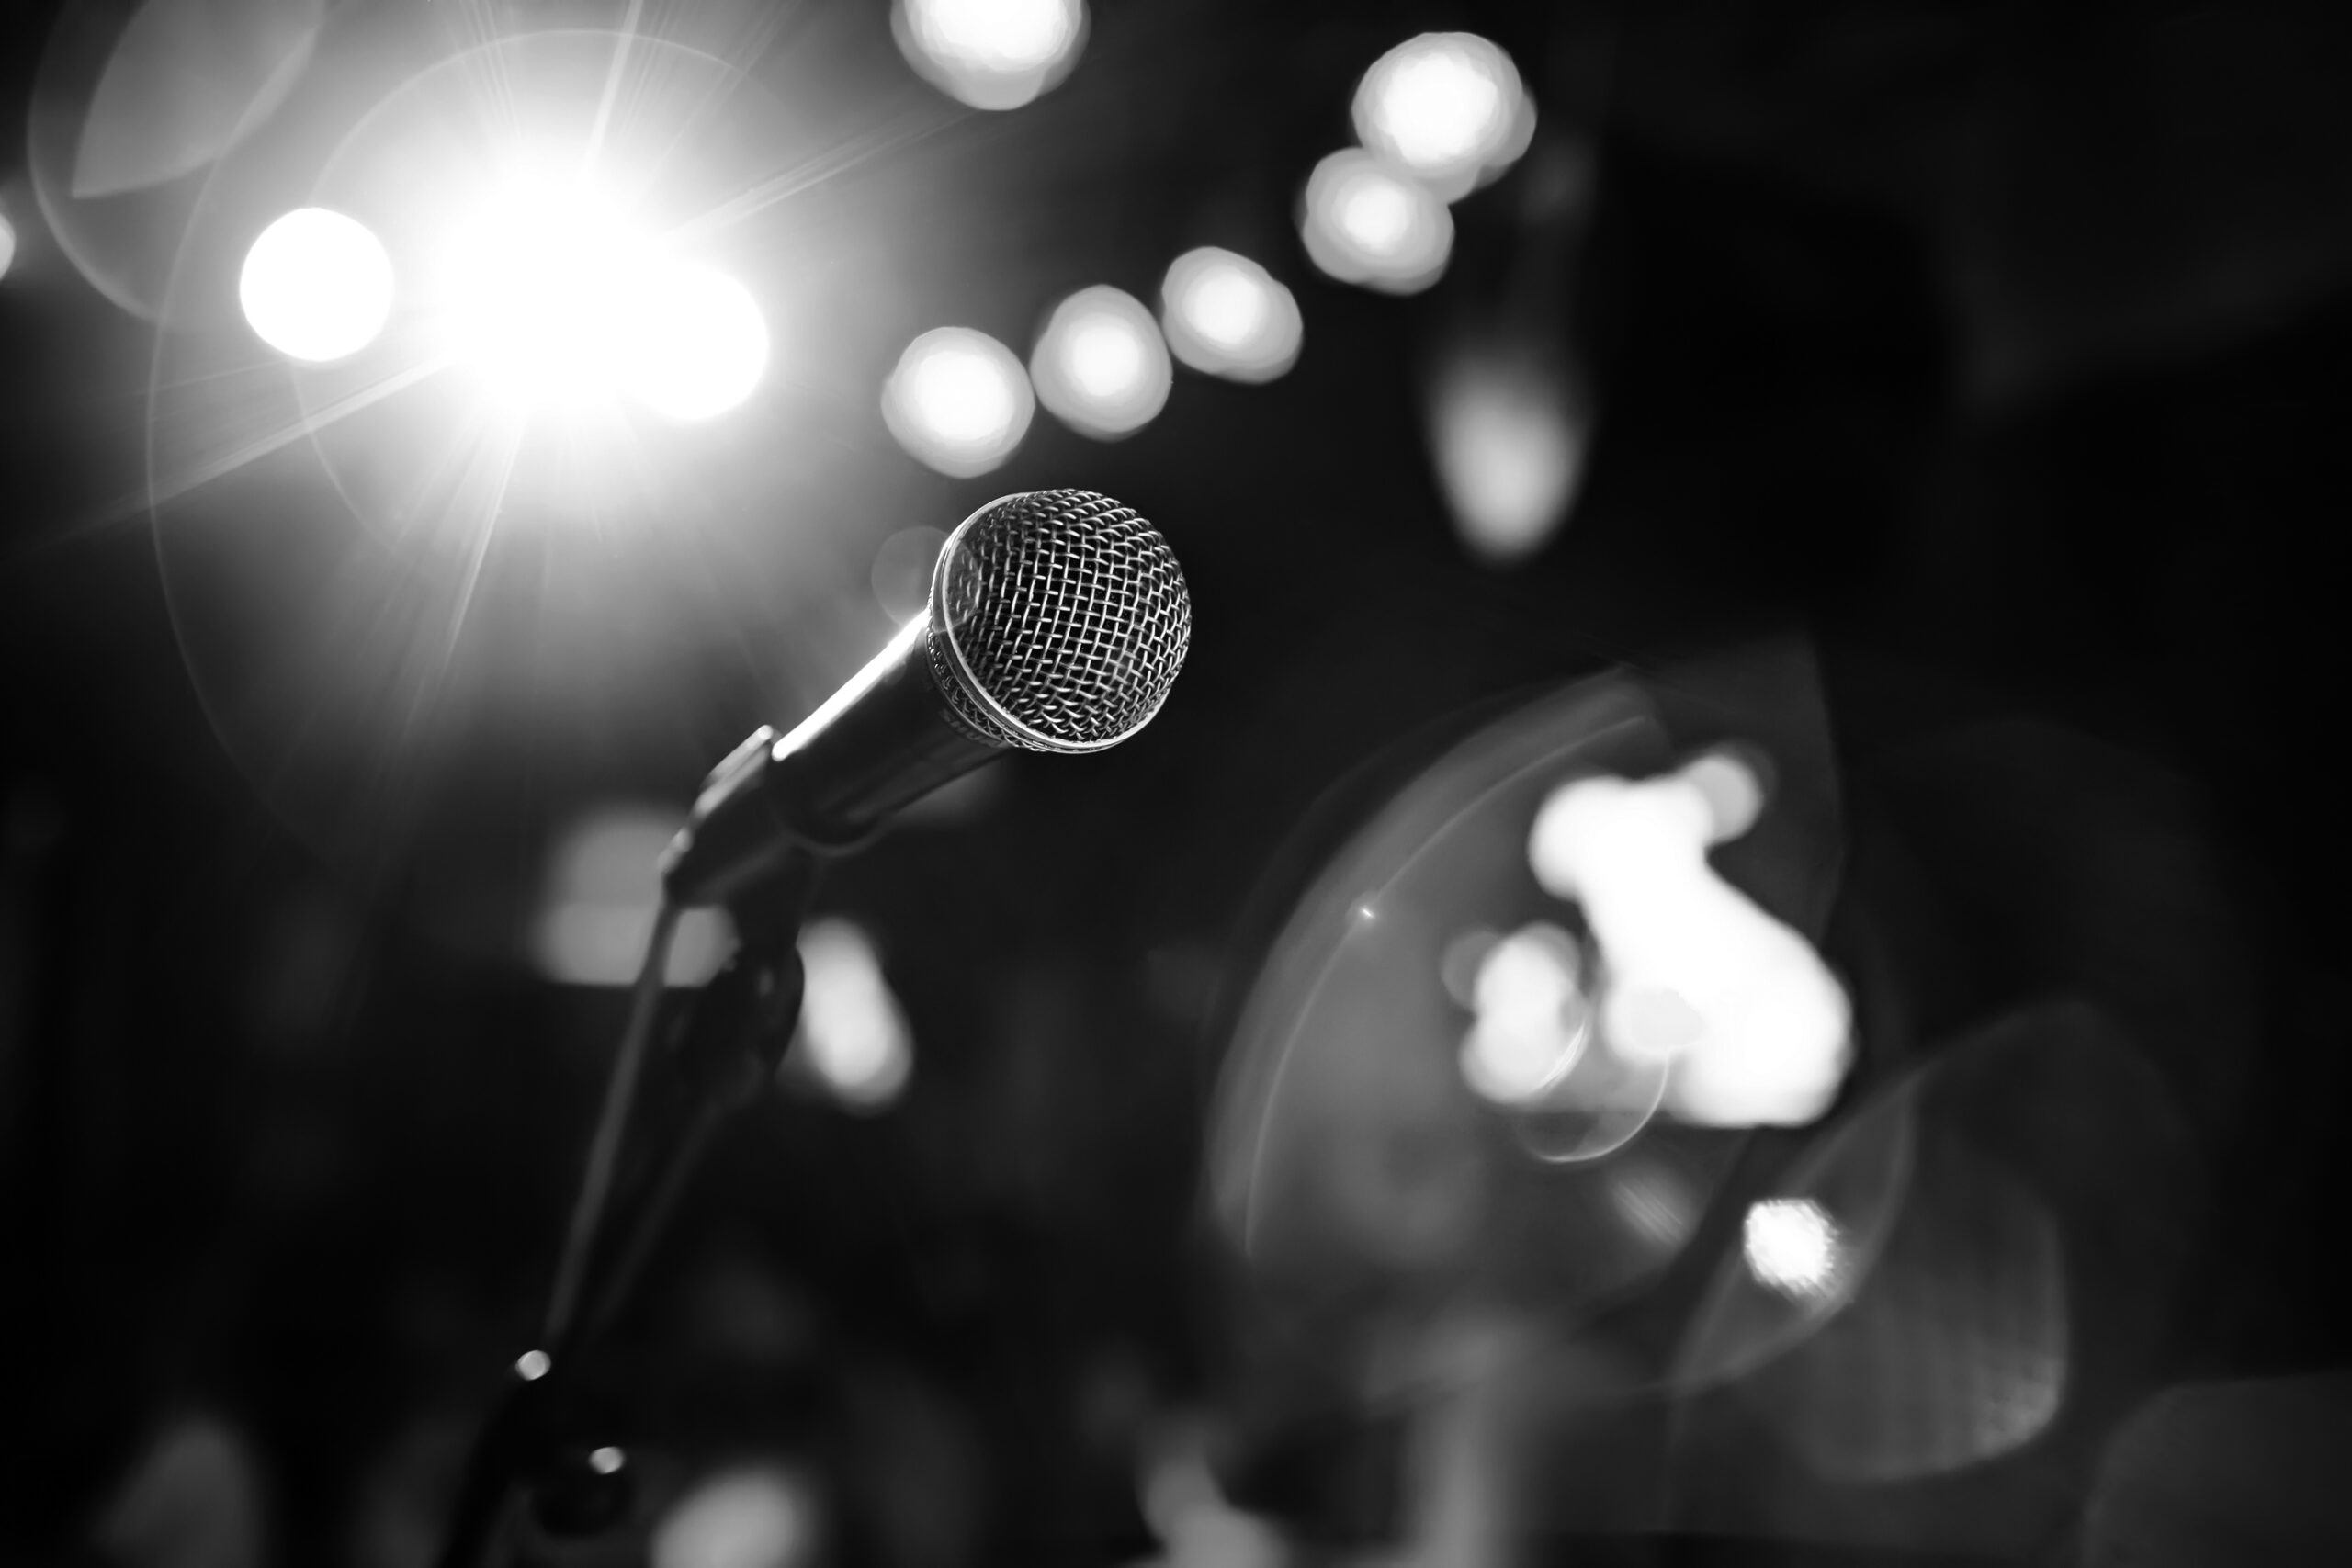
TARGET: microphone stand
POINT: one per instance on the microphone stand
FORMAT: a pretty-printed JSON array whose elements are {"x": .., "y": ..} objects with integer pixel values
[{"x": 719, "y": 1056}]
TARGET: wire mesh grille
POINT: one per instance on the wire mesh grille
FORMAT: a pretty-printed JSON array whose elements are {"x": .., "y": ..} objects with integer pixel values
[{"x": 1068, "y": 615}]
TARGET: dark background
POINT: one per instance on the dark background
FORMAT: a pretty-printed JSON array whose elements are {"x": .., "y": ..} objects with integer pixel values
[{"x": 1997, "y": 350}]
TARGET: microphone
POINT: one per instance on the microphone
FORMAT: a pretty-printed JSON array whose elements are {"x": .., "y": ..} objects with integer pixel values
[{"x": 1057, "y": 621}]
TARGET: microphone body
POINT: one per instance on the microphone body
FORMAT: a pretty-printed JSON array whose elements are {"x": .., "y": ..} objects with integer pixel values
[
  {"x": 1057, "y": 621},
  {"x": 883, "y": 740}
]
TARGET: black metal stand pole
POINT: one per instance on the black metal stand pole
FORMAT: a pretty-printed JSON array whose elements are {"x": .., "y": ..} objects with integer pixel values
[{"x": 724, "y": 1049}]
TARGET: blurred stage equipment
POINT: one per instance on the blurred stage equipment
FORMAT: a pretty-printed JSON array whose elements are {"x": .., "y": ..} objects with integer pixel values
[
  {"x": 1226, "y": 315},
  {"x": 1099, "y": 366},
  {"x": 1058, "y": 622},
  {"x": 990, "y": 54}
]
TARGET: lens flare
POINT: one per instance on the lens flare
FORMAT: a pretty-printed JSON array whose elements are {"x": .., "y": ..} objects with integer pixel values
[
  {"x": 1100, "y": 365},
  {"x": 1224, "y": 314},
  {"x": 990, "y": 54},
  {"x": 1367, "y": 221},
  {"x": 1449, "y": 107},
  {"x": 959, "y": 400},
  {"x": 698, "y": 344},
  {"x": 317, "y": 286}
]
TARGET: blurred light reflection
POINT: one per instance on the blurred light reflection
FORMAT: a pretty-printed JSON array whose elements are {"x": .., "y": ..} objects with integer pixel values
[
  {"x": 901, "y": 572},
  {"x": 1753, "y": 1024},
  {"x": 990, "y": 54},
  {"x": 1509, "y": 442},
  {"x": 1367, "y": 221},
  {"x": 602, "y": 887},
  {"x": 195, "y": 1496},
  {"x": 1448, "y": 106},
  {"x": 757, "y": 1516},
  {"x": 1100, "y": 367},
  {"x": 854, "y": 1036},
  {"x": 1791, "y": 1246},
  {"x": 1226, "y": 315},
  {"x": 7, "y": 245},
  {"x": 1531, "y": 1021},
  {"x": 316, "y": 285},
  {"x": 959, "y": 400},
  {"x": 698, "y": 345}
]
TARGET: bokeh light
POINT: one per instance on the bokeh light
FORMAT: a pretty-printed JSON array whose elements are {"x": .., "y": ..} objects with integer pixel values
[
  {"x": 1449, "y": 107},
  {"x": 959, "y": 400},
  {"x": 600, "y": 891},
  {"x": 1099, "y": 365},
  {"x": 756, "y": 1516},
  {"x": 990, "y": 54},
  {"x": 698, "y": 343},
  {"x": 1755, "y": 1026},
  {"x": 317, "y": 286},
  {"x": 1367, "y": 221},
  {"x": 1224, "y": 314},
  {"x": 1792, "y": 1245},
  {"x": 1508, "y": 442},
  {"x": 854, "y": 1036},
  {"x": 1531, "y": 1021}
]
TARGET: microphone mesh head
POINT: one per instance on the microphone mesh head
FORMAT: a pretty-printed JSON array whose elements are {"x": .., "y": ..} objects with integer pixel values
[{"x": 1058, "y": 620}]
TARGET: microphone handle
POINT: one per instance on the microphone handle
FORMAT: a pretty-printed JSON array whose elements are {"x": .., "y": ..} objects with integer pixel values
[{"x": 886, "y": 738}]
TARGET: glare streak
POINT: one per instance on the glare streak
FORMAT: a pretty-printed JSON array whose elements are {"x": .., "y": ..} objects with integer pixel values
[
  {"x": 813, "y": 172},
  {"x": 262, "y": 446},
  {"x": 627, "y": 33}
]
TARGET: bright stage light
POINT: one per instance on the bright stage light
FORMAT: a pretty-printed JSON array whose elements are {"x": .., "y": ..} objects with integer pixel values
[
  {"x": 1100, "y": 365},
  {"x": 316, "y": 285},
  {"x": 1448, "y": 106},
  {"x": 992, "y": 54},
  {"x": 700, "y": 344},
  {"x": 557, "y": 299},
  {"x": 545, "y": 284},
  {"x": 1367, "y": 221},
  {"x": 959, "y": 400},
  {"x": 1224, "y": 314}
]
